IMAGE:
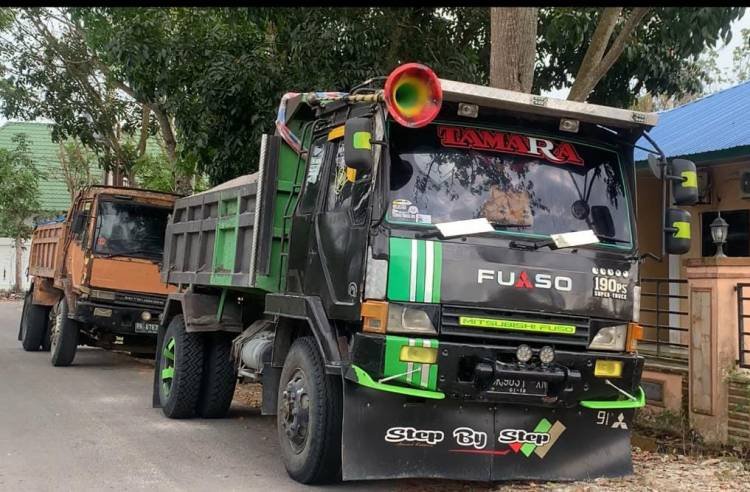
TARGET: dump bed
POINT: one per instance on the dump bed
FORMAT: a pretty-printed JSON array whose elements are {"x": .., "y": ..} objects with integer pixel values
[{"x": 46, "y": 246}]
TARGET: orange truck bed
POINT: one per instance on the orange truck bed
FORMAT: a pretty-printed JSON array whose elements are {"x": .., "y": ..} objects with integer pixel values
[{"x": 46, "y": 247}]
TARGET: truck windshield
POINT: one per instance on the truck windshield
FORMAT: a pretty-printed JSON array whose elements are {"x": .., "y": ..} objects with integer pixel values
[
  {"x": 125, "y": 228},
  {"x": 522, "y": 184}
]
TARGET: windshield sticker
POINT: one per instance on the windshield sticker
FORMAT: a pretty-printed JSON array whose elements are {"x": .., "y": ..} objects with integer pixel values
[
  {"x": 508, "y": 208},
  {"x": 555, "y": 152},
  {"x": 404, "y": 210},
  {"x": 316, "y": 159}
]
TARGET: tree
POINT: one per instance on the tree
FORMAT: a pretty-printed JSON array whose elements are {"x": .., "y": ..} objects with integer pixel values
[
  {"x": 50, "y": 72},
  {"x": 513, "y": 47},
  {"x": 609, "y": 55},
  {"x": 741, "y": 58},
  {"x": 19, "y": 191},
  {"x": 76, "y": 163}
]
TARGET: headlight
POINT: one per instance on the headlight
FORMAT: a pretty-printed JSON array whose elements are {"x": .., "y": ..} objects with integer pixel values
[
  {"x": 610, "y": 338},
  {"x": 403, "y": 319},
  {"x": 103, "y": 294}
]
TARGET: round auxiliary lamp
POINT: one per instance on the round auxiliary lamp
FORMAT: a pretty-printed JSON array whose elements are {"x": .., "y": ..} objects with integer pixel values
[{"x": 413, "y": 95}]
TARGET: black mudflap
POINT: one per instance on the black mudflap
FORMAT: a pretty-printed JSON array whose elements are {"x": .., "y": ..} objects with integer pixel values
[{"x": 392, "y": 436}]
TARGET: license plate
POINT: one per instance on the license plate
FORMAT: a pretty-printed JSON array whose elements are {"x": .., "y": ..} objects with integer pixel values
[
  {"x": 146, "y": 327},
  {"x": 520, "y": 386}
]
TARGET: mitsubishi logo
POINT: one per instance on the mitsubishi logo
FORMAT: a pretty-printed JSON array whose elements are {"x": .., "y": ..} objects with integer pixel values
[{"x": 620, "y": 424}]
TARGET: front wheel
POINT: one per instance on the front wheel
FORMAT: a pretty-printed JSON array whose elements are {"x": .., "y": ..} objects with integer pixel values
[
  {"x": 63, "y": 334},
  {"x": 309, "y": 416}
]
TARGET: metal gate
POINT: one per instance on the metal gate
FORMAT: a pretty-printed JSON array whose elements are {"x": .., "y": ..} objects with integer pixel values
[
  {"x": 743, "y": 331},
  {"x": 664, "y": 318}
]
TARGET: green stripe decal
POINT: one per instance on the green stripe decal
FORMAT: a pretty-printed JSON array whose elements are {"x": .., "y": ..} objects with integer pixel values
[
  {"x": 543, "y": 426},
  {"x": 639, "y": 402},
  {"x": 399, "y": 269},
  {"x": 411, "y": 373},
  {"x": 438, "y": 271},
  {"x": 415, "y": 270}
]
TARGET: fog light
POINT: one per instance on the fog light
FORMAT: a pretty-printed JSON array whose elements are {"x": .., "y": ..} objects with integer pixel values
[
  {"x": 420, "y": 355},
  {"x": 608, "y": 368},
  {"x": 146, "y": 316},
  {"x": 523, "y": 353},
  {"x": 547, "y": 354}
]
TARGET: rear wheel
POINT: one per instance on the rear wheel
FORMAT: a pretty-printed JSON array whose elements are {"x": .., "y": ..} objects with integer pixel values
[
  {"x": 63, "y": 335},
  {"x": 179, "y": 370},
  {"x": 33, "y": 324},
  {"x": 219, "y": 377},
  {"x": 309, "y": 416}
]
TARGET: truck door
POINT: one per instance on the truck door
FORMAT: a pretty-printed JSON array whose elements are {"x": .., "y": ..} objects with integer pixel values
[
  {"x": 341, "y": 235},
  {"x": 77, "y": 250}
]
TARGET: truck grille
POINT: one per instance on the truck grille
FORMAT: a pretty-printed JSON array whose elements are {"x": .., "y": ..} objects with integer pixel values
[{"x": 450, "y": 326}]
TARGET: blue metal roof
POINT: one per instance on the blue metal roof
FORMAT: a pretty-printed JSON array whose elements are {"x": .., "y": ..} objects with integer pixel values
[{"x": 715, "y": 122}]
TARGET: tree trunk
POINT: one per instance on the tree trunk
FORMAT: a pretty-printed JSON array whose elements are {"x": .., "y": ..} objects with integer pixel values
[
  {"x": 19, "y": 265},
  {"x": 513, "y": 47},
  {"x": 182, "y": 183},
  {"x": 598, "y": 58},
  {"x": 144, "y": 131}
]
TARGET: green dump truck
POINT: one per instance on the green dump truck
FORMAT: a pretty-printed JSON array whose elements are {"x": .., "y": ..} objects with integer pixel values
[{"x": 429, "y": 278}]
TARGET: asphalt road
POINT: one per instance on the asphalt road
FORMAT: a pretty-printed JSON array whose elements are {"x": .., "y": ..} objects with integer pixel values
[{"x": 90, "y": 426}]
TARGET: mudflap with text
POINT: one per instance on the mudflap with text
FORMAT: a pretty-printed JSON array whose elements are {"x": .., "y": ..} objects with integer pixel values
[{"x": 392, "y": 436}]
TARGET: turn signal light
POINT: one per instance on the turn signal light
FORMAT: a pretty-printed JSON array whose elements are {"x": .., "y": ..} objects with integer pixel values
[
  {"x": 608, "y": 368},
  {"x": 635, "y": 333},
  {"x": 374, "y": 316},
  {"x": 413, "y": 95},
  {"x": 420, "y": 355}
]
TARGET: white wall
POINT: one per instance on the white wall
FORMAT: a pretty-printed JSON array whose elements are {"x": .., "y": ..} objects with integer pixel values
[{"x": 8, "y": 264}]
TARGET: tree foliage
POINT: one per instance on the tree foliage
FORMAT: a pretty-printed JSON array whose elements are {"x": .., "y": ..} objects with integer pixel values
[
  {"x": 19, "y": 190},
  {"x": 661, "y": 57},
  {"x": 209, "y": 81}
]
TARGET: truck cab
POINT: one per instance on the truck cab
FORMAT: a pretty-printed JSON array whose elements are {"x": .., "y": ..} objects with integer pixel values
[
  {"x": 460, "y": 262},
  {"x": 96, "y": 274}
]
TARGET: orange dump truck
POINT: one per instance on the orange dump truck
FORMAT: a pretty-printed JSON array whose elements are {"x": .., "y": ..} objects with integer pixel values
[{"x": 95, "y": 275}]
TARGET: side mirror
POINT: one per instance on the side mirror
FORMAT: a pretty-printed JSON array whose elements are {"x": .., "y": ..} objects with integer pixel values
[
  {"x": 684, "y": 182},
  {"x": 357, "y": 146},
  {"x": 676, "y": 231},
  {"x": 601, "y": 221},
  {"x": 79, "y": 223}
]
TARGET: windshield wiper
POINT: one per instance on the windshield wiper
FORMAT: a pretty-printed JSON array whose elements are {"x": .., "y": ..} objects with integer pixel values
[{"x": 495, "y": 225}]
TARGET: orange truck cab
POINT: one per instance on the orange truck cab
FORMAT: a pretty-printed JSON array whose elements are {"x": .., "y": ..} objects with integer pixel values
[{"x": 95, "y": 275}]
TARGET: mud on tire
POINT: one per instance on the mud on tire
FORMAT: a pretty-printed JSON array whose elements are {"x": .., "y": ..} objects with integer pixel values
[
  {"x": 310, "y": 438},
  {"x": 219, "y": 377},
  {"x": 179, "y": 370}
]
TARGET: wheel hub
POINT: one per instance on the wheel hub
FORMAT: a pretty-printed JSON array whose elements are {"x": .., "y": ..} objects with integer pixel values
[
  {"x": 295, "y": 410},
  {"x": 167, "y": 366}
]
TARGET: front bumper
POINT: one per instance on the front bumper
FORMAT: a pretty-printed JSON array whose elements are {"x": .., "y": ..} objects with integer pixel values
[
  {"x": 117, "y": 319},
  {"x": 387, "y": 435},
  {"x": 468, "y": 372}
]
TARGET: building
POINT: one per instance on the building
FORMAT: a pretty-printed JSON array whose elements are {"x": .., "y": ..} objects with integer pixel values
[{"x": 695, "y": 307}]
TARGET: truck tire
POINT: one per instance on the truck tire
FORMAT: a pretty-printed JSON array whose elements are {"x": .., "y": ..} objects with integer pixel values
[
  {"x": 219, "y": 378},
  {"x": 33, "y": 324},
  {"x": 309, "y": 416},
  {"x": 180, "y": 369},
  {"x": 63, "y": 335}
]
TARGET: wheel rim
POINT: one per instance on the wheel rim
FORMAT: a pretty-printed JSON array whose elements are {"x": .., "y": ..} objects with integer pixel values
[
  {"x": 167, "y": 366},
  {"x": 56, "y": 320},
  {"x": 295, "y": 411}
]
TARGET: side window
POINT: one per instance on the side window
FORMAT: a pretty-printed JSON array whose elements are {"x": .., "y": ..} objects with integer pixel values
[
  {"x": 85, "y": 210},
  {"x": 348, "y": 188},
  {"x": 312, "y": 179},
  {"x": 341, "y": 182}
]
